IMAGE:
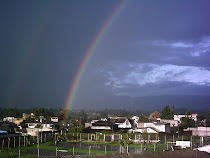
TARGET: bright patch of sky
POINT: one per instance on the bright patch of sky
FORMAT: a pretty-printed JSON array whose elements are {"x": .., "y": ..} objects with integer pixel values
[
  {"x": 194, "y": 49},
  {"x": 142, "y": 74}
]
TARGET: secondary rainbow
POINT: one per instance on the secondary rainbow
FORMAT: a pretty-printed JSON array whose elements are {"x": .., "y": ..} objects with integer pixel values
[{"x": 90, "y": 51}]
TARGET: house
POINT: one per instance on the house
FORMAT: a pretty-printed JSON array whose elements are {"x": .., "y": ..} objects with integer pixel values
[
  {"x": 173, "y": 123},
  {"x": 145, "y": 130},
  {"x": 17, "y": 121},
  {"x": 25, "y": 116},
  {"x": 89, "y": 124},
  {"x": 154, "y": 126},
  {"x": 135, "y": 120},
  {"x": 104, "y": 125},
  {"x": 54, "y": 119},
  {"x": 193, "y": 116},
  {"x": 9, "y": 127},
  {"x": 33, "y": 129},
  {"x": 199, "y": 131},
  {"x": 9, "y": 119},
  {"x": 122, "y": 122}
]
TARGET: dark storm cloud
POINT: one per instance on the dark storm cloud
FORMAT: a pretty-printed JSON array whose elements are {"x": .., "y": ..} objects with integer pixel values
[{"x": 151, "y": 48}]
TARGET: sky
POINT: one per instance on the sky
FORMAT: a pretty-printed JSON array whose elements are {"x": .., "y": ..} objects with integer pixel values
[{"x": 154, "y": 53}]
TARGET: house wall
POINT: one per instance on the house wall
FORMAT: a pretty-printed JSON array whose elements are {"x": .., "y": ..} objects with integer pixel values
[
  {"x": 161, "y": 127},
  {"x": 18, "y": 121},
  {"x": 54, "y": 119},
  {"x": 125, "y": 124},
  {"x": 101, "y": 127},
  {"x": 32, "y": 125},
  {"x": 10, "y": 119},
  {"x": 32, "y": 131},
  {"x": 149, "y": 130},
  {"x": 173, "y": 123},
  {"x": 178, "y": 117},
  {"x": 200, "y": 131}
]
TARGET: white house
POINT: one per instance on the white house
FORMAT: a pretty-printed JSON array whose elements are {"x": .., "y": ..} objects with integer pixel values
[
  {"x": 122, "y": 122},
  {"x": 173, "y": 123},
  {"x": 145, "y": 130},
  {"x": 135, "y": 120},
  {"x": 193, "y": 116},
  {"x": 54, "y": 119},
  {"x": 34, "y": 128},
  {"x": 9, "y": 119},
  {"x": 104, "y": 125},
  {"x": 199, "y": 131},
  {"x": 158, "y": 127}
]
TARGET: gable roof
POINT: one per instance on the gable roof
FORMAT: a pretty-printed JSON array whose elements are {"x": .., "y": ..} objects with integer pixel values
[{"x": 103, "y": 123}]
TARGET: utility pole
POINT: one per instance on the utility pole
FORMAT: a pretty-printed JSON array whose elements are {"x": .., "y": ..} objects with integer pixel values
[
  {"x": 38, "y": 144},
  {"x": 19, "y": 145}
]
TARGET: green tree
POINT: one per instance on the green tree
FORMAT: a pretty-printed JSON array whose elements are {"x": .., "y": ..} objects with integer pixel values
[
  {"x": 166, "y": 113},
  {"x": 173, "y": 111},
  {"x": 208, "y": 119},
  {"x": 188, "y": 112},
  {"x": 143, "y": 118},
  {"x": 38, "y": 112},
  {"x": 187, "y": 122},
  {"x": 82, "y": 117},
  {"x": 125, "y": 141}
]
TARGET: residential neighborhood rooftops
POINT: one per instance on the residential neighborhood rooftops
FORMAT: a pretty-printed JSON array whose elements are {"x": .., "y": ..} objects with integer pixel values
[{"x": 103, "y": 123}]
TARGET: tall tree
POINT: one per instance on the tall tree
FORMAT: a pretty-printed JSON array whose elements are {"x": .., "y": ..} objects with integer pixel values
[
  {"x": 188, "y": 112},
  {"x": 173, "y": 111},
  {"x": 187, "y": 122},
  {"x": 208, "y": 120},
  {"x": 166, "y": 113},
  {"x": 38, "y": 112}
]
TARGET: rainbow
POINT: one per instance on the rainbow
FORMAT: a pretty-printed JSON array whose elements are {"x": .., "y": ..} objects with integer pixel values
[
  {"x": 27, "y": 54},
  {"x": 89, "y": 53}
]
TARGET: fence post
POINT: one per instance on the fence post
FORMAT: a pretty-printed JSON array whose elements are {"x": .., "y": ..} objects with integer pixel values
[
  {"x": 2, "y": 144},
  {"x": 191, "y": 143},
  {"x": 56, "y": 151},
  {"x": 19, "y": 145},
  {"x": 73, "y": 151},
  {"x": 14, "y": 142},
  {"x": 165, "y": 139},
  {"x": 156, "y": 138},
  {"x": 8, "y": 142},
  {"x": 89, "y": 149},
  {"x": 141, "y": 147},
  {"x": 127, "y": 148},
  {"x": 80, "y": 137},
  {"x": 105, "y": 149},
  {"x": 154, "y": 147},
  {"x": 24, "y": 141},
  {"x": 38, "y": 144}
]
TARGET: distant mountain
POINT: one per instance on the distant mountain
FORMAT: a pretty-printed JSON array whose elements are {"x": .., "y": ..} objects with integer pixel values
[{"x": 192, "y": 102}]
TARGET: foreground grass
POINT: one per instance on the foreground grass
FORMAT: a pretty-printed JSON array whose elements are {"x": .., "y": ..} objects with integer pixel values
[
  {"x": 7, "y": 154},
  {"x": 76, "y": 150}
]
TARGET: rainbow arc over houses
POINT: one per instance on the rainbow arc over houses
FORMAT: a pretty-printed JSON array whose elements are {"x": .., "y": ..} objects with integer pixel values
[{"x": 89, "y": 53}]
